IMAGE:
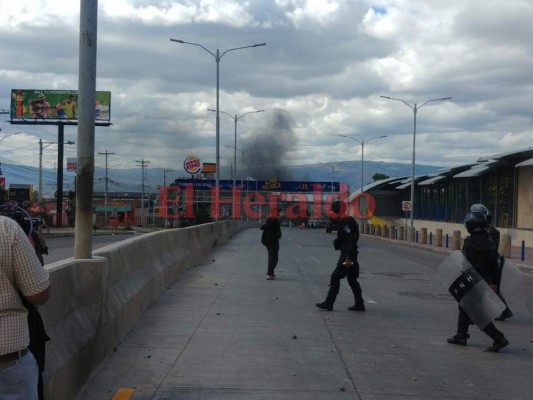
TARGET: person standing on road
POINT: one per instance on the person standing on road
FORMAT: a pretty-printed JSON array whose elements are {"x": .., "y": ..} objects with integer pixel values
[
  {"x": 270, "y": 239},
  {"x": 494, "y": 235},
  {"x": 21, "y": 274},
  {"x": 482, "y": 254},
  {"x": 347, "y": 265}
]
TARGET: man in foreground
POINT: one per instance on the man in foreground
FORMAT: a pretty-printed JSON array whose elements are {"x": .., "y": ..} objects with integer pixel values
[{"x": 21, "y": 274}]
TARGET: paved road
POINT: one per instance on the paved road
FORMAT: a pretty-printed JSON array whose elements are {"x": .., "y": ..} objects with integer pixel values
[{"x": 222, "y": 331}]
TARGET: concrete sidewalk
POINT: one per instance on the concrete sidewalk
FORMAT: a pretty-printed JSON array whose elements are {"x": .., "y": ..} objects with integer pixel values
[{"x": 520, "y": 257}]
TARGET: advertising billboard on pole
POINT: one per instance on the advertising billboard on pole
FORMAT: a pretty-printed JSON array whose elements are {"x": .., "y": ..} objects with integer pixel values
[{"x": 55, "y": 104}]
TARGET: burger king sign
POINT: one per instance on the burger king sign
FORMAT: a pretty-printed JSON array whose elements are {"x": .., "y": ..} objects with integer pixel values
[{"x": 192, "y": 165}]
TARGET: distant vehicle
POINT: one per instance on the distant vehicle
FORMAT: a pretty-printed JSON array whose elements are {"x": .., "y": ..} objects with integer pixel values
[{"x": 317, "y": 223}]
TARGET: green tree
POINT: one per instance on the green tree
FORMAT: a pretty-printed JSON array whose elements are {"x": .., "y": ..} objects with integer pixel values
[{"x": 378, "y": 177}]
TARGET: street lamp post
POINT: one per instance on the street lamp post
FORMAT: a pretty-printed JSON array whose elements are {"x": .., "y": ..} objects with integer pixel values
[
  {"x": 415, "y": 109},
  {"x": 362, "y": 143},
  {"x": 242, "y": 163},
  {"x": 332, "y": 166},
  {"x": 166, "y": 191},
  {"x": 41, "y": 147},
  {"x": 235, "y": 119},
  {"x": 8, "y": 135},
  {"x": 217, "y": 57}
]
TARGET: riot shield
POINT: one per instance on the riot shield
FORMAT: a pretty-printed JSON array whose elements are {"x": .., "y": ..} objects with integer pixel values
[
  {"x": 511, "y": 277},
  {"x": 529, "y": 304},
  {"x": 469, "y": 289}
]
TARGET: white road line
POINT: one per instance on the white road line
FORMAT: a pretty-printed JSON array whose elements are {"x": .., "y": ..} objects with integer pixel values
[
  {"x": 315, "y": 259},
  {"x": 344, "y": 283}
]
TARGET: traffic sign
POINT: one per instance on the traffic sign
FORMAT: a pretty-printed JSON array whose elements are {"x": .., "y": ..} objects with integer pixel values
[{"x": 406, "y": 205}]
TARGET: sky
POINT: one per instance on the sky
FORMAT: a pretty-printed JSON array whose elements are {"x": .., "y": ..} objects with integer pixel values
[{"x": 321, "y": 74}]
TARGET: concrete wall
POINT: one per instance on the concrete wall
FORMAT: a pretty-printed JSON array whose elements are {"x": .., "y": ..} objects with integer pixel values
[{"x": 94, "y": 303}]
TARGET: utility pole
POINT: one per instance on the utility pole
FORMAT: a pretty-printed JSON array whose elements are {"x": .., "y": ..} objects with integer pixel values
[
  {"x": 142, "y": 165},
  {"x": 106, "y": 153},
  {"x": 165, "y": 176},
  {"x": 166, "y": 191}
]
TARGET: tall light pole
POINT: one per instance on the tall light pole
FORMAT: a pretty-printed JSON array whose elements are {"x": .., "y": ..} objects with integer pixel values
[
  {"x": 362, "y": 143},
  {"x": 415, "y": 109},
  {"x": 332, "y": 166},
  {"x": 41, "y": 147},
  {"x": 106, "y": 153},
  {"x": 8, "y": 135},
  {"x": 217, "y": 57},
  {"x": 235, "y": 167},
  {"x": 166, "y": 192},
  {"x": 235, "y": 119}
]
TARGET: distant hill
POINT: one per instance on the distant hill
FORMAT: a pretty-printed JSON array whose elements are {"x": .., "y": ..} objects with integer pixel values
[{"x": 130, "y": 180}]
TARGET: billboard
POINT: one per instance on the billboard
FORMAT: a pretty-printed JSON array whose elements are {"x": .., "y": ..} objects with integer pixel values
[{"x": 55, "y": 104}]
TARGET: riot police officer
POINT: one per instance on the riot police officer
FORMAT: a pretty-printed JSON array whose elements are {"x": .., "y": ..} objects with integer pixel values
[
  {"x": 494, "y": 235},
  {"x": 347, "y": 265},
  {"x": 481, "y": 252}
]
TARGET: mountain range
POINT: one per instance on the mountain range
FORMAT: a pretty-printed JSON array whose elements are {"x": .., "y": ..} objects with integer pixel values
[{"x": 131, "y": 180}]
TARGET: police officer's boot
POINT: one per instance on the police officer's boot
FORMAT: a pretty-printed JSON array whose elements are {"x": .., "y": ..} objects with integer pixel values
[
  {"x": 459, "y": 338},
  {"x": 325, "y": 306},
  {"x": 499, "y": 341},
  {"x": 507, "y": 313},
  {"x": 357, "y": 307}
]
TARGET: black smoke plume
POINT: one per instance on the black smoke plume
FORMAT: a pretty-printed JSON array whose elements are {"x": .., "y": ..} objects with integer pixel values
[{"x": 265, "y": 153}]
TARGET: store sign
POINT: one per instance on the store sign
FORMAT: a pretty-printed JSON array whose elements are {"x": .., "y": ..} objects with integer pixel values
[
  {"x": 192, "y": 165},
  {"x": 209, "y": 168}
]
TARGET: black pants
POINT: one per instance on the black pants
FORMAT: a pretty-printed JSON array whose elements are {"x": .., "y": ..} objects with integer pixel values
[
  {"x": 341, "y": 272},
  {"x": 464, "y": 321},
  {"x": 273, "y": 250}
]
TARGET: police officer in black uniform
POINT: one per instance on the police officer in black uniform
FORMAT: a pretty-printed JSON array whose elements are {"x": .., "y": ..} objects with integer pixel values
[
  {"x": 494, "y": 235},
  {"x": 270, "y": 239},
  {"x": 347, "y": 265},
  {"x": 481, "y": 252}
]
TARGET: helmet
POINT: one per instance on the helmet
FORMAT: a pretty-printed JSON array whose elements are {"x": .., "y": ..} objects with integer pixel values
[
  {"x": 482, "y": 209},
  {"x": 476, "y": 221},
  {"x": 338, "y": 207}
]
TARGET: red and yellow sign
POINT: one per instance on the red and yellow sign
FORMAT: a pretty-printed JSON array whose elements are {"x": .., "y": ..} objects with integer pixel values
[
  {"x": 192, "y": 165},
  {"x": 209, "y": 168}
]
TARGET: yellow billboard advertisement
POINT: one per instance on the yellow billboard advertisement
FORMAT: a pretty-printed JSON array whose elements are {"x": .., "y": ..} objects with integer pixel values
[{"x": 55, "y": 104}]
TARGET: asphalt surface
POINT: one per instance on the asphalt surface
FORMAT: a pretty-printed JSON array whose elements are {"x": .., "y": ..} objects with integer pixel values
[{"x": 222, "y": 331}]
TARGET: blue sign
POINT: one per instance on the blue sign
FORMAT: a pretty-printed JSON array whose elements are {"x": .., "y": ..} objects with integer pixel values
[{"x": 269, "y": 185}]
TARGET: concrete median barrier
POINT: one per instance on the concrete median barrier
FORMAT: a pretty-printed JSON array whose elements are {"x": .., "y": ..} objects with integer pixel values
[{"x": 94, "y": 303}]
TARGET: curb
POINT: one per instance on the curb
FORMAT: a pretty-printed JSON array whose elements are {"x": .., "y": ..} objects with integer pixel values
[{"x": 517, "y": 263}]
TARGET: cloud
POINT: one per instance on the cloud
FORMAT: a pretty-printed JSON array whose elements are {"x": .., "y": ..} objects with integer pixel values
[{"x": 324, "y": 66}]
